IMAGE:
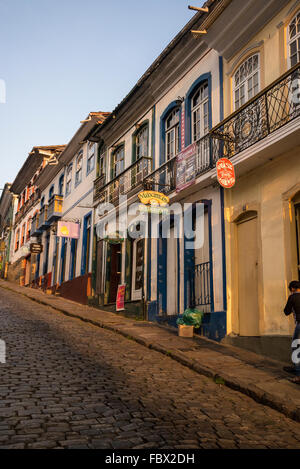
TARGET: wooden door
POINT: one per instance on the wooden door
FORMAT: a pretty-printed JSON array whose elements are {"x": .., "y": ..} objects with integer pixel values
[{"x": 248, "y": 277}]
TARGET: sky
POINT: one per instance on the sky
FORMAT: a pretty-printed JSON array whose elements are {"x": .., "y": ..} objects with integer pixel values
[{"x": 61, "y": 59}]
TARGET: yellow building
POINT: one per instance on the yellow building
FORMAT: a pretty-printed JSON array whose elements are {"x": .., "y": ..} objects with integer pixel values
[{"x": 260, "y": 46}]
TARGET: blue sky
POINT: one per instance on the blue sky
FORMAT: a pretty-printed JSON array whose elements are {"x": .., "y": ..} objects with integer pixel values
[{"x": 61, "y": 59}]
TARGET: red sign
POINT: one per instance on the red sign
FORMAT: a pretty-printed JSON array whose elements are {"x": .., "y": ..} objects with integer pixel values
[
  {"x": 225, "y": 173},
  {"x": 120, "y": 306}
]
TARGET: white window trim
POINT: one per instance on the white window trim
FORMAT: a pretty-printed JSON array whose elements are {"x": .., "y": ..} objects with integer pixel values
[
  {"x": 289, "y": 41},
  {"x": 234, "y": 87},
  {"x": 200, "y": 106}
]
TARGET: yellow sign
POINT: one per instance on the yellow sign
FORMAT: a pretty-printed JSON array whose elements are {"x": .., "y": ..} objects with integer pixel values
[{"x": 154, "y": 198}]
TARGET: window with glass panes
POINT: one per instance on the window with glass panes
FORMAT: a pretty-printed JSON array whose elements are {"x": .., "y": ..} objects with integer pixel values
[
  {"x": 294, "y": 40},
  {"x": 78, "y": 176},
  {"x": 200, "y": 116},
  {"x": 142, "y": 142},
  {"x": 246, "y": 81},
  {"x": 118, "y": 161},
  {"x": 172, "y": 133},
  {"x": 69, "y": 179},
  {"x": 101, "y": 161},
  {"x": 91, "y": 157}
]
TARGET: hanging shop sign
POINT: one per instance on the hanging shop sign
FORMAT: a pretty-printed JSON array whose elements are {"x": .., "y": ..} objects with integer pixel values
[
  {"x": 36, "y": 248},
  {"x": 225, "y": 173},
  {"x": 2, "y": 246},
  {"x": 120, "y": 303},
  {"x": 186, "y": 167},
  {"x": 153, "y": 198},
  {"x": 68, "y": 230}
]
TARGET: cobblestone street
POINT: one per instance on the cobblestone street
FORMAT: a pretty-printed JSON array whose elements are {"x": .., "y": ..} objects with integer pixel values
[{"x": 73, "y": 385}]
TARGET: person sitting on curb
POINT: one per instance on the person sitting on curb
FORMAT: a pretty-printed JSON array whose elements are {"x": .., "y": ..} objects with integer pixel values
[{"x": 293, "y": 306}]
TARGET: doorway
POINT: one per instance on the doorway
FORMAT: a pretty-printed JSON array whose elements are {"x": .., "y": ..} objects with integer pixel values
[
  {"x": 247, "y": 247},
  {"x": 172, "y": 274},
  {"x": 115, "y": 271}
]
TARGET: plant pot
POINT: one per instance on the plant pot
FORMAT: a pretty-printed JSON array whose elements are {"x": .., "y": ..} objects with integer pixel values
[{"x": 186, "y": 331}]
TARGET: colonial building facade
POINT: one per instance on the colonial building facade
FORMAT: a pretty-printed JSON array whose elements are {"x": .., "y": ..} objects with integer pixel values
[
  {"x": 228, "y": 89},
  {"x": 261, "y": 136},
  {"x": 171, "y": 109}
]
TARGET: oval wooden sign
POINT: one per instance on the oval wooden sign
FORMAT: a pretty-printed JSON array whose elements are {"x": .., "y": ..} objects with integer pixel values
[{"x": 225, "y": 173}]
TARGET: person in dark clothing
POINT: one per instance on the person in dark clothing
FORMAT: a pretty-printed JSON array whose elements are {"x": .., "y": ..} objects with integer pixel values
[{"x": 293, "y": 306}]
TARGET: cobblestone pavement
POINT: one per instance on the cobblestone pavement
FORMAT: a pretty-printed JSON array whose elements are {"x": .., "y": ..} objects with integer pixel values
[{"x": 68, "y": 384}]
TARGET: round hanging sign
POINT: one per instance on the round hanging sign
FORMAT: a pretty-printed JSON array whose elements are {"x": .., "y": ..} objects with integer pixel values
[{"x": 225, "y": 173}]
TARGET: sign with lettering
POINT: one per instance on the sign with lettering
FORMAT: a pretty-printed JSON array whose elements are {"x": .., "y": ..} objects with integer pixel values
[
  {"x": 153, "y": 198},
  {"x": 186, "y": 168},
  {"x": 120, "y": 303},
  {"x": 225, "y": 173},
  {"x": 36, "y": 248}
]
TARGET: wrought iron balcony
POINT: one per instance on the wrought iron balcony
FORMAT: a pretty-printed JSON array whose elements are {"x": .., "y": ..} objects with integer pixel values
[
  {"x": 35, "y": 231},
  {"x": 125, "y": 183},
  {"x": 163, "y": 179},
  {"x": 43, "y": 223},
  {"x": 271, "y": 109},
  {"x": 55, "y": 208}
]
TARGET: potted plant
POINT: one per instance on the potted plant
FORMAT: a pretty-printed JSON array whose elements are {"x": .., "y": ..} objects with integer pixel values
[{"x": 191, "y": 318}]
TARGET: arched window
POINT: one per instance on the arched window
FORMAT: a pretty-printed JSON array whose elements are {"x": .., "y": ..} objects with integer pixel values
[
  {"x": 51, "y": 192},
  {"x": 61, "y": 185},
  {"x": 172, "y": 133},
  {"x": 141, "y": 142},
  {"x": 246, "y": 81},
  {"x": 200, "y": 112},
  {"x": 69, "y": 179},
  {"x": 294, "y": 40},
  {"x": 78, "y": 175}
]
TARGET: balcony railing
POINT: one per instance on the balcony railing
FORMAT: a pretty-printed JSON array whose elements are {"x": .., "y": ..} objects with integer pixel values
[
  {"x": 55, "y": 208},
  {"x": 271, "y": 109},
  {"x": 123, "y": 184},
  {"x": 163, "y": 179},
  {"x": 35, "y": 231},
  {"x": 42, "y": 224}
]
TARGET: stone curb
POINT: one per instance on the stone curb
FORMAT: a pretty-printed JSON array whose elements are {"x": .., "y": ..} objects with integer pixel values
[{"x": 235, "y": 384}]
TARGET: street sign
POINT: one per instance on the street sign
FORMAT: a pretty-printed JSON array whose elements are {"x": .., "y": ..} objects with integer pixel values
[
  {"x": 36, "y": 248},
  {"x": 225, "y": 173}
]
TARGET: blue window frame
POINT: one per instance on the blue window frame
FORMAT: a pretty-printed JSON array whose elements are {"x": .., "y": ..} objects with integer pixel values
[
  {"x": 198, "y": 109},
  {"x": 170, "y": 129},
  {"x": 86, "y": 243},
  {"x": 74, "y": 244},
  {"x": 51, "y": 192},
  {"x": 46, "y": 260},
  {"x": 61, "y": 185},
  {"x": 63, "y": 257},
  {"x": 42, "y": 201}
]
